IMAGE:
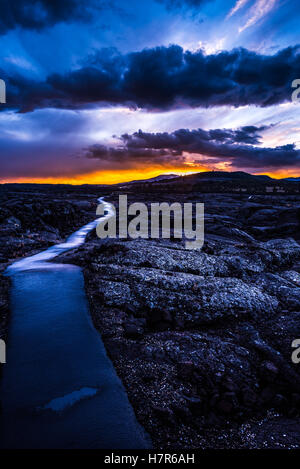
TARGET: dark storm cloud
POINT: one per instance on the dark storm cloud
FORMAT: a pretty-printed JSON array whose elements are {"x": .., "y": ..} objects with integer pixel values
[
  {"x": 219, "y": 145},
  {"x": 133, "y": 157},
  {"x": 163, "y": 77},
  {"x": 26, "y": 94},
  {"x": 166, "y": 77},
  {"x": 184, "y": 138},
  {"x": 38, "y": 14}
]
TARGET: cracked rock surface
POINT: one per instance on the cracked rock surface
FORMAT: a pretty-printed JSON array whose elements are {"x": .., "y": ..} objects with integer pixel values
[{"x": 202, "y": 339}]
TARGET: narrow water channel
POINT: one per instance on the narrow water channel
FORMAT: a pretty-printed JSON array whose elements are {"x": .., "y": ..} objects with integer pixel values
[{"x": 59, "y": 389}]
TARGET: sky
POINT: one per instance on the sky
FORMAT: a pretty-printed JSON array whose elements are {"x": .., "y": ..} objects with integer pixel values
[{"x": 106, "y": 91}]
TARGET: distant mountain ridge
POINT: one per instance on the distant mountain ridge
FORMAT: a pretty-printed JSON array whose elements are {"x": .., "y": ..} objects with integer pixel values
[
  {"x": 159, "y": 178},
  {"x": 226, "y": 175},
  {"x": 292, "y": 179},
  {"x": 215, "y": 181},
  {"x": 203, "y": 176}
]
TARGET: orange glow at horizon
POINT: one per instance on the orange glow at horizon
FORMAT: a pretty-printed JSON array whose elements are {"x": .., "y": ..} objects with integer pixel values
[
  {"x": 279, "y": 174},
  {"x": 126, "y": 175},
  {"x": 105, "y": 177}
]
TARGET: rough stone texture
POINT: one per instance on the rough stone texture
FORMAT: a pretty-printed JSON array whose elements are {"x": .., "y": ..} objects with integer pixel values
[
  {"x": 33, "y": 220},
  {"x": 202, "y": 340}
]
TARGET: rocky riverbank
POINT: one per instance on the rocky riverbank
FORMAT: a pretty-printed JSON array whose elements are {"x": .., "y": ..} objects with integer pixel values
[
  {"x": 202, "y": 340},
  {"x": 33, "y": 218}
]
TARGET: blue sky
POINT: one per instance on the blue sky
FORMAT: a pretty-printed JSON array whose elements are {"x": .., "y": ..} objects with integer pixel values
[{"x": 83, "y": 79}]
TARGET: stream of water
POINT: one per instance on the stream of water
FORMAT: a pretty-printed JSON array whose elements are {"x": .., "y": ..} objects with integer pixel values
[{"x": 59, "y": 389}]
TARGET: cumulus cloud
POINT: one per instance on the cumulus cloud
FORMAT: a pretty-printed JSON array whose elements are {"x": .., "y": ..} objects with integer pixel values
[
  {"x": 238, "y": 148},
  {"x": 163, "y": 78},
  {"x": 131, "y": 158},
  {"x": 184, "y": 138}
]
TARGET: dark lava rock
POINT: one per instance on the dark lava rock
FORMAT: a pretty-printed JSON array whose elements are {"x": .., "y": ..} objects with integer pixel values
[
  {"x": 269, "y": 371},
  {"x": 200, "y": 339},
  {"x": 132, "y": 330}
]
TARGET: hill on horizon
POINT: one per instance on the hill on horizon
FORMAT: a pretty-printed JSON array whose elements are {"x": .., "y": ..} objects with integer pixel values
[{"x": 204, "y": 176}]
